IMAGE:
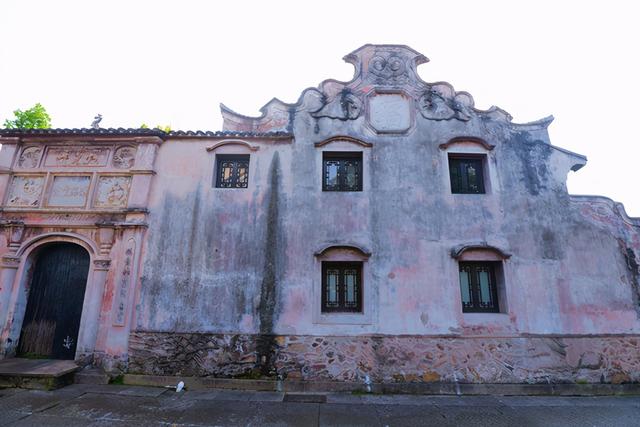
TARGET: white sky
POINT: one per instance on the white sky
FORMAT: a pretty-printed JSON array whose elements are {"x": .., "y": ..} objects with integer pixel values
[{"x": 173, "y": 62}]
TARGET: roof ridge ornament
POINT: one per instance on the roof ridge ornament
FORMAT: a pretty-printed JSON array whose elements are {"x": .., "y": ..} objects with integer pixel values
[
  {"x": 386, "y": 64},
  {"x": 385, "y": 80},
  {"x": 96, "y": 122}
]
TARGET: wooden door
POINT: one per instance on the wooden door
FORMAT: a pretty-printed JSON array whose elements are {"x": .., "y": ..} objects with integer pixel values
[{"x": 54, "y": 306}]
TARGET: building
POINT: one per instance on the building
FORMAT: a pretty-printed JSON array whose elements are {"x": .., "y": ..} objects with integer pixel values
[{"x": 381, "y": 228}]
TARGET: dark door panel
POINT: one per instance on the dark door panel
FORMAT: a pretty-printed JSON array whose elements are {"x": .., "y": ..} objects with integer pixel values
[{"x": 54, "y": 306}]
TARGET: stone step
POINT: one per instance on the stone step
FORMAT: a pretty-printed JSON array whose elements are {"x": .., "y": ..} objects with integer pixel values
[
  {"x": 41, "y": 374},
  {"x": 91, "y": 376}
]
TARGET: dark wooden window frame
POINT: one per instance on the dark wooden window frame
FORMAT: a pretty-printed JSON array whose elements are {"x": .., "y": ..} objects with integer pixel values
[
  {"x": 235, "y": 159},
  {"x": 455, "y": 160},
  {"x": 474, "y": 286},
  {"x": 342, "y": 266},
  {"x": 342, "y": 157}
]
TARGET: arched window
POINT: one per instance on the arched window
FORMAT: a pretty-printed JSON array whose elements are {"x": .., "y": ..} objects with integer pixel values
[
  {"x": 342, "y": 281},
  {"x": 481, "y": 278}
]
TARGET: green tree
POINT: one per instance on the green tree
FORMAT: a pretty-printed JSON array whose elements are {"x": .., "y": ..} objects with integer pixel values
[{"x": 35, "y": 117}]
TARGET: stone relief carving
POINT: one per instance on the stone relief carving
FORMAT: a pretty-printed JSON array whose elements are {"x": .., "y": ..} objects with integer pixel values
[
  {"x": 124, "y": 157},
  {"x": 435, "y": 105},
  {"x": 345, "y": 106},
  {"x": 113, "y": 191},
  {"x": 69, "y": 191},
  {"x": 123, "y": 285},
  {"x": 388, "y": 69},
  {"x": 102, "y": 264},
  {"x": 25, "y": 191},
  {"x": 77, "y": 156},
  {"x": 377, "y": 67},
  {"x": 30, "y": 157}
]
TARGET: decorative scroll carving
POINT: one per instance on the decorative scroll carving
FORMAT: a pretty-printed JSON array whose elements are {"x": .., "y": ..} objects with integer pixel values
[
  {"x": 113, "y": 191},
  {"x": 124, "y": 157},
  {"x": 102, "y": 264},
  {"x": 106, "y": 234},
  {"x": 77, "y": 156},
  {"x": 345, "y": 106},
  {"x": 30, "y": 157},
  {"x": 16, "y": 234},
  {"x": 69, "y": 191},
  {"x": 123, "y": 285},
  {"x": 388, "y": 68},
  {"x": 434, "y": 105},
  {"x": 25, "y": 191}
]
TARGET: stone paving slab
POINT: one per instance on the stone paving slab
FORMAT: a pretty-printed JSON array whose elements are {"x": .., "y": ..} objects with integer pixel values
[
  {"x": 35, "y": 400},
  {"x": 132, "y": 409},
  {"x": 340, "y": 414},
  {"x": 407, "y": 415},
  {"x": 42, "y": 420},
  {"x": 4, "y": 392},
  {"x": 100, "y": 405},
  {"x": 267, "y": 396},
  {"x": 379, "y": 399},
  {"x": 242, "y": 413},
  {"x": 36, "y": 367},
  {"x": 8, "y": 416},
  {"x": 124, "y": 390},
  {"x": 548, "y": 401},
  {"x": 564, "y": 416},
  {"x": 466, "y": 401}
]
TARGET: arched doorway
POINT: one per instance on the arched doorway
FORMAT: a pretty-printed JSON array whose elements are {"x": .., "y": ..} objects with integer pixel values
[{"x": 54, "y": 305}]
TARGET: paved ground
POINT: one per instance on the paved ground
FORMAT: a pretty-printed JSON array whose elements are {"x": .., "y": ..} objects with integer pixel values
[{"x": 110, "y": 405}]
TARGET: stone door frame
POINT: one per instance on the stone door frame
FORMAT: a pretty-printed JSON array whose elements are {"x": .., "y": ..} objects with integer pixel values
[{"x": 16, "y": 272}]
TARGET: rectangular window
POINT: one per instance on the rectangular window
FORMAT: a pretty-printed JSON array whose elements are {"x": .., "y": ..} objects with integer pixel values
[
  {"x": 341, "y": 287},
  {"x": 478, "y": 287},
  {"x": 232, "y": 171},
  {"x": 342, "y": 171},
  {"x": 466, "y": 174}
]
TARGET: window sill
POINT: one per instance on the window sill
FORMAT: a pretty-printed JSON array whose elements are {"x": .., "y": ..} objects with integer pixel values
[
  {"x": 343, "y": 319},
  {"x": 484, "y": 318}
]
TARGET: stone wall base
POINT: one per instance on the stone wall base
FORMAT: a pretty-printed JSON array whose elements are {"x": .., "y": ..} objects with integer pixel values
[{"x": 394, "y": 359}]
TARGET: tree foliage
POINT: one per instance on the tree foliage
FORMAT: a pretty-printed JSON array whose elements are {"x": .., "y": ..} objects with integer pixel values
[{"x": 35, "y": 117}]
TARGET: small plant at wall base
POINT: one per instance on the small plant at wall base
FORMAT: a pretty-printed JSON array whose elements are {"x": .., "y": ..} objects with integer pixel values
[
  {"x": 118, "y": 380},
  {"x": 35, "y": 117}
]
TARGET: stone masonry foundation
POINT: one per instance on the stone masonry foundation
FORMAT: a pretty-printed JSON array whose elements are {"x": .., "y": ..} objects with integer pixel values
[{"x": 538, "y": 359}]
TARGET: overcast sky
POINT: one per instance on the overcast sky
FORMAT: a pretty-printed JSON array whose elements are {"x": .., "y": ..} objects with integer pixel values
[{"x": 158, "y": 62}]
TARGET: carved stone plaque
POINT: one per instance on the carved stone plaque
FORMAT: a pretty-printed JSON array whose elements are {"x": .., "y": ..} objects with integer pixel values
[
  {"x": 112, "y": 191},
  {"x": 390, "y": 113},
  {"x": 30, "y": 157},
  {"x": 69, "y": 191},
  {"x": 124, "y": 157},
  {"x": 77, "y": 156},
  {"x": 25, "y": 191}
]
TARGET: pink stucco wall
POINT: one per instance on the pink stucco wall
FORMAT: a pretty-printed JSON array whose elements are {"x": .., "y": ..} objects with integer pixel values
[{"x": 187, "y": 277}]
